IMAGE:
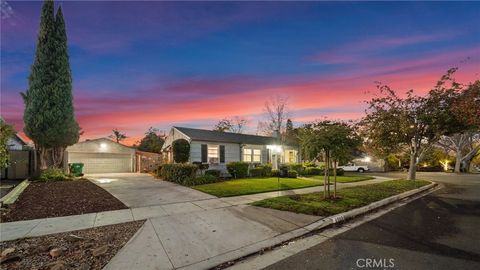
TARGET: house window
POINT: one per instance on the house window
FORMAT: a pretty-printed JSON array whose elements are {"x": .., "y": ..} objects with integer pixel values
[
  {"x": 257, "y": 155},
  {"x": 247, "y": 155},
  {"x": 213, "y": 153},
  {"x": 291, "y": 156}
]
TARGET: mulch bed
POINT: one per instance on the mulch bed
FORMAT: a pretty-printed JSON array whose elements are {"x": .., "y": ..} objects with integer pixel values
[
  {"x": 56, "y": 199},
  {"x": 85, "y": 249}
]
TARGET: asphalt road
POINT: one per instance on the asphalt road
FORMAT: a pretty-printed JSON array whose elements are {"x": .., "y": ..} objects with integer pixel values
[{"x": 438, "y": 231}]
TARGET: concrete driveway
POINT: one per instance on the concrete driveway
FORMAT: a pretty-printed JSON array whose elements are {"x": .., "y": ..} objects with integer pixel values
[{"x": 139, "y": 189}]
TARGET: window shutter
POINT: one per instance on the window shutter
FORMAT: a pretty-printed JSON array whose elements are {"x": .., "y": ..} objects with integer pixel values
[
  {"x": 222, "y": 153},
  {"x": 204, "y": 153}
]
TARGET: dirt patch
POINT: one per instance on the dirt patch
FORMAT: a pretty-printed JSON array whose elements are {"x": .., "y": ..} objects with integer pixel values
[
  {"x": 84, "y": 249},
  {"x": 56, "y": 199}
]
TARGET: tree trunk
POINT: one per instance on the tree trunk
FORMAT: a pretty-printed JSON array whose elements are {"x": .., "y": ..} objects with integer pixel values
[
  {"x": 458, "y": 160},
  {"x": 325, "y": 179},
  {"x": 334, "y": 178},
  {"x": 412, "y": 170}
]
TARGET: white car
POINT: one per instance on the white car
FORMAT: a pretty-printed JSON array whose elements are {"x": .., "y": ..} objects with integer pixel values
[{"x": 354, "y": 168}]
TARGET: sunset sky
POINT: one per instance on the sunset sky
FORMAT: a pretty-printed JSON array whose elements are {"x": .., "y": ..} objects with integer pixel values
[{"x": 142, "y": 64}]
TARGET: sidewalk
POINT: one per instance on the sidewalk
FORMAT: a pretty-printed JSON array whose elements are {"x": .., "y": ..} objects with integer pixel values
[{"x": 189, "y": 235}]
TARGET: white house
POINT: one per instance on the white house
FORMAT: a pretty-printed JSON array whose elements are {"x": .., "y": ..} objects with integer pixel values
[{"x": 219, "y": 148}]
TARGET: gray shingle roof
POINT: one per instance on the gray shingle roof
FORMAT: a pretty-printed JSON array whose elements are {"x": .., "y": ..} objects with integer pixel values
[{"x": 217, "y": 136}]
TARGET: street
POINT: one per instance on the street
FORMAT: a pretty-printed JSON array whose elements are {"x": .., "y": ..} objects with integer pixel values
[{"x": 438, "y": 231}]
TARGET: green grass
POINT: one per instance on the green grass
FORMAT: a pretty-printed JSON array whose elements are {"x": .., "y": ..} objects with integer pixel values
[
  {"x": 258, "y": 185},
  {"x": 348, "y": 198},
  {"x": 344, "y": 179}
]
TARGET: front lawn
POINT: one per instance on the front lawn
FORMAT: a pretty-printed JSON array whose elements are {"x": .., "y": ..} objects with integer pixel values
[
  {"x": 344, "y": 179},
  {"x": 348, "y": 198},
  {"x": 258, "y": 185}
]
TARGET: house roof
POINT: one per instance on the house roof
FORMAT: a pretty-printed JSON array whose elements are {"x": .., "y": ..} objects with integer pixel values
[{"x": 228, "y": 137}]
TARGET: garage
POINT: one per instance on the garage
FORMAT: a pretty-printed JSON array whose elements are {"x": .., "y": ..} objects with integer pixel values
[{"x": 102, "y": 156}]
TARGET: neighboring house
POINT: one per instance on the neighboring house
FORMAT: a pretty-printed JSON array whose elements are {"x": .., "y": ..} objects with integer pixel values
[
  {"x": 101, "y": 156},
  {"x": 219, "y": 148},
  {"x": 22, "y": 159},
  {"x": 16, "y": 143}
]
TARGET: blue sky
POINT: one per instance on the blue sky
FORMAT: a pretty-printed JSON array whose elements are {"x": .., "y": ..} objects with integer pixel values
[{"x": 142, "y": 64}]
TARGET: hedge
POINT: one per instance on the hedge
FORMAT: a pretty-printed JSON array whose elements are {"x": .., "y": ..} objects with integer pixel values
[
  {"x": 313, "y": 171},
  {"x": 257, "y": 172},
  {"x": 206, "y": 179},
  {"x": 238, "y": 169},
  {"x": 183, "y": 174},
  {"x": 215, "y": 173},
  {"x": 292, "y": 174}
]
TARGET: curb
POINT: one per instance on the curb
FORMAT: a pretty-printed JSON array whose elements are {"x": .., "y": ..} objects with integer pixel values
[
  {"x": 12, "y": 196},
  {"x": 224, "y": 259}
]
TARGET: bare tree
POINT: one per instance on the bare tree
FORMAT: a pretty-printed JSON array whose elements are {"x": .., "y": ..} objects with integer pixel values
[
  {"x": 277, "y": 113},
  {"x": 465, "y": 146},
  {"x": 234, "y": 125},
  {"x": 117, "y": 135}
]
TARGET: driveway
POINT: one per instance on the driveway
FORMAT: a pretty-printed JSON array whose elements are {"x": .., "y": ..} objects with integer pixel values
[{"x": 139, "y": 189}]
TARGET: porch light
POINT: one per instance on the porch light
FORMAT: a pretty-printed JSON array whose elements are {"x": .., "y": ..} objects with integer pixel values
[
  {"x": 367, "y": 159},
  {"x": 103, "y": 146},
  {"x": 277, "y": 149}
]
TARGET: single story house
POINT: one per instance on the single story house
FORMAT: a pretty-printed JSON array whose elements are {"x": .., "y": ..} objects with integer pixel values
[
  {"x": 219, "y": 148},
  {"x": 101, "y": 156}
]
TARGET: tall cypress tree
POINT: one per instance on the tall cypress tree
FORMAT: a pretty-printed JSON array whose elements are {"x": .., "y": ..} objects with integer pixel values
[{"x": 49, "y": 117}]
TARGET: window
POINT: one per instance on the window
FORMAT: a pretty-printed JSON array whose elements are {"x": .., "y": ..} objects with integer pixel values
[
  {"x": 257, "y": 155},
  {"x": 213, "y": 153},
  {"x": 247, "y": 155},
  {"x": 291, "y": 156}
]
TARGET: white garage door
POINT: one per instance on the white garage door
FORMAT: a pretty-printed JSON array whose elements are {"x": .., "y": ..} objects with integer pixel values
[{"x": 102, "y": 162}]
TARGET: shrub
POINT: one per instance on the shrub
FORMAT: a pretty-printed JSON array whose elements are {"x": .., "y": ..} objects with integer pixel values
[
  {"x": 267, "y": 170},
  {"x": 54, "y": 175},
  {"x": 340, "y": 171},
  {"x": 238, "y": 169},
  {"x": 257, "y": 172},
  {"x": 292, "y": 174},
  {"x": 275, "y": 173},
  {"x": 205, "y": 179},
  {"x": 297, "y": 167},
  {"x": 181, "y": 150},
  {"x": 182, "y": 174},
  {"x": 309, "y": 164},
  {"x": 313, "y": 171},
  {"x": 215, "y": 173}
]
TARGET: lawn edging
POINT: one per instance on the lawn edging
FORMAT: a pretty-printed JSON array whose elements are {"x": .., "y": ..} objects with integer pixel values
[
  {"x": 12, "y": 196},
  {"x": 230, "y": 258},
  {"x": 365, "y": 209}
]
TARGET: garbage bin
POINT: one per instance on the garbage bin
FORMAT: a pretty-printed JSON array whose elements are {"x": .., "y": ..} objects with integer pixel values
[
  {"x": 283, "y": 171},
  {"x": 76, "y": 169}
]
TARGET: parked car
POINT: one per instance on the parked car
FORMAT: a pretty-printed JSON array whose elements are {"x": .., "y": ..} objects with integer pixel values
[{"x": 354, "y": 168}]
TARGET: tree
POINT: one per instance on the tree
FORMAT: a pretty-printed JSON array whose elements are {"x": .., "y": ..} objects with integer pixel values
[
  {"x": 181, "y": 150},
  {"x": 234, "y": 125},
  {"x": 117, "y": 135},
  {"x": 152, "y": 142},
  {"x": 49, "y": 114},
  {"x": 277, "y": 112},
  {"x": 6, "y": 132},
  {"x": 334, "y": 140},
  {"x": 413, "y": 121},
  {"x": 223, "y": 125},
  {"x": 462, "y": 133}
]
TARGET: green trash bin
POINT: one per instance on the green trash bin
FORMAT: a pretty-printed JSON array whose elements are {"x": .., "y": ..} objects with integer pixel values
[{"x": 76, "y": 169}]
